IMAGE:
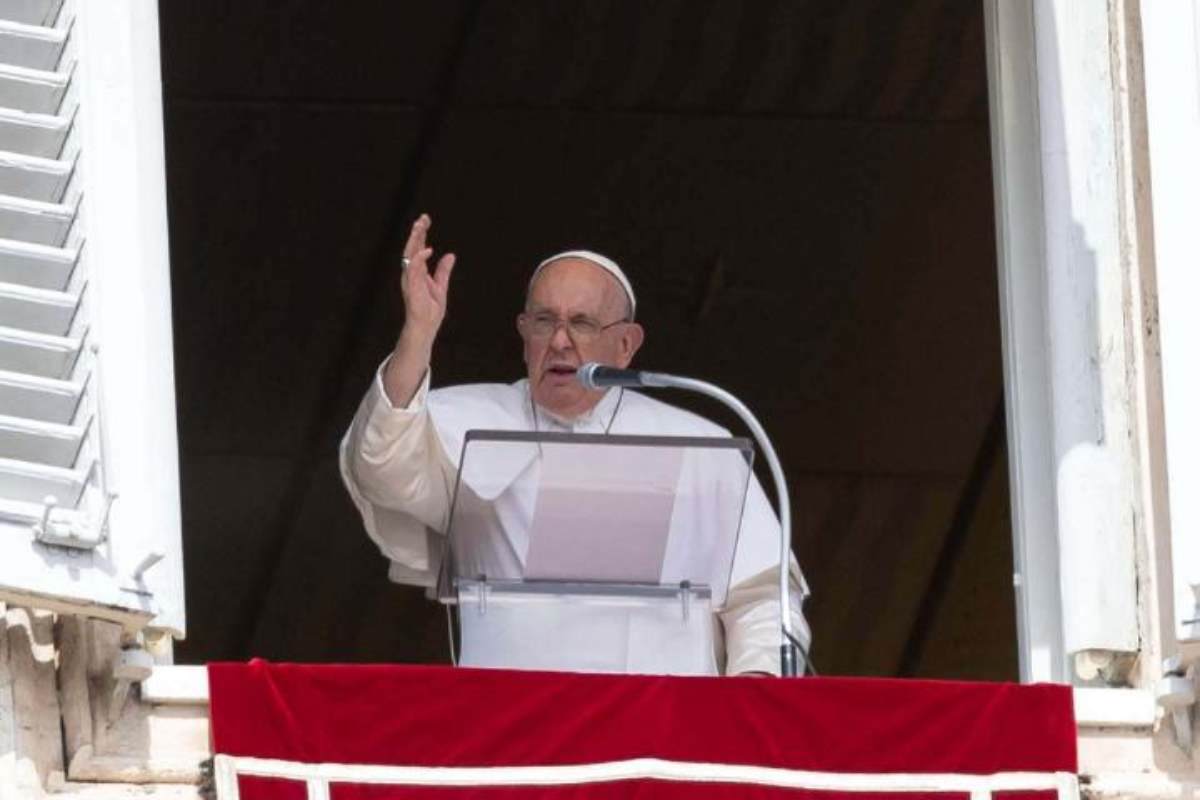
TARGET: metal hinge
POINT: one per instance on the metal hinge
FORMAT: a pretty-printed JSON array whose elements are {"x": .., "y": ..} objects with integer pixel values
[
  {"x": 1176, "y": 693},
  {"x": 74, "y": 529}
]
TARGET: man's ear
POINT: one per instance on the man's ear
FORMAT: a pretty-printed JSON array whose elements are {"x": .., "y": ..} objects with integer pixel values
[{"x": 632, "y": 337}]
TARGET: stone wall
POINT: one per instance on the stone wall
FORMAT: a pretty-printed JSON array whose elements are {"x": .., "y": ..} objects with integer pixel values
[{"x": 73, "y": 725}]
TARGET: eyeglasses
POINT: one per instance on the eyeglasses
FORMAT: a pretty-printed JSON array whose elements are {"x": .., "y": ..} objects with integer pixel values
[{"x": 581, "y": 328}]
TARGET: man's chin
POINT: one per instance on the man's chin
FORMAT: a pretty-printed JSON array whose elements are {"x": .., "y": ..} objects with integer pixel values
[{"x": 562, "y": 401}]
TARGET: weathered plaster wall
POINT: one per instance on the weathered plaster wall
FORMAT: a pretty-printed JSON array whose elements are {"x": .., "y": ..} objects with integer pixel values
[{"x": 63, "y": 735}]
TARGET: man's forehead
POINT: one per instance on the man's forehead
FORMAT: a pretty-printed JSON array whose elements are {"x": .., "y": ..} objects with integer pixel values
[{"x": 573, "y": 286}]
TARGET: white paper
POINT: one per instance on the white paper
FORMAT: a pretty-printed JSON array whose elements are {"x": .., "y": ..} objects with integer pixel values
[{"x": 603, "y": 513}]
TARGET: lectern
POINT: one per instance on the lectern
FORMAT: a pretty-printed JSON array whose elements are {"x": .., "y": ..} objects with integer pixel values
[{"x": 597, "y": 553}]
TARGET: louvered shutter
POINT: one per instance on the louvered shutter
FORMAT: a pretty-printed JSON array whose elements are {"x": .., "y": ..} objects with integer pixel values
[{"x": 89, "y": 498}]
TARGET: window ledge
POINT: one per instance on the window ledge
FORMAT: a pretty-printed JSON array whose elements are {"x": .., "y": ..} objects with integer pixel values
[
  {"x": 1094, "y": 707},
  {"x": 176, "y": 685},
  {"x": 1121, "y": 708}
]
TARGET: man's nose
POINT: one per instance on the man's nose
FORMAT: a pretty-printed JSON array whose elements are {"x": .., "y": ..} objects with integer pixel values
[{"x": 560, "y": 339}]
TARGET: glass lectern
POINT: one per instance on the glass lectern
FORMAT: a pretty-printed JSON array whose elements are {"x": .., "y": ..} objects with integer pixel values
[{"x": 600, "y": 553}]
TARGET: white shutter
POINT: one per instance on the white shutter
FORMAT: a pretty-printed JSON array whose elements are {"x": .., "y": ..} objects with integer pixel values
[
  {"x": 89, "y": 496},
  {"x": 1171, "y": 34}
]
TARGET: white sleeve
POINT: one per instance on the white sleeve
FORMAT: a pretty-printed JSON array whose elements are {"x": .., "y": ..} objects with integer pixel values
[
  {"x": 750, "y": 621},
  {"x": 750, "y": 618},
  {"x": 398, "y": 475}
]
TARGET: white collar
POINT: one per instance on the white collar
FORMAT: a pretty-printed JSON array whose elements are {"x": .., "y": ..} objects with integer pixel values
[{"x": 597, "y": 420}]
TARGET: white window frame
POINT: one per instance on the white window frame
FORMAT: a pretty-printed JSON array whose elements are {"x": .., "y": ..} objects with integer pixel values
[
  {"x": 126, "y": 208},
  {"x": 1067, "y": 158},
  {"x": 1016, "y": 167},
  {"x": 1022, "y": 265},
  {"x": 1171, "y": 32}
]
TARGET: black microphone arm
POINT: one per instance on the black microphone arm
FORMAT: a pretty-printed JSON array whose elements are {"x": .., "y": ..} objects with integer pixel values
[{"x": 598, "y": 376}]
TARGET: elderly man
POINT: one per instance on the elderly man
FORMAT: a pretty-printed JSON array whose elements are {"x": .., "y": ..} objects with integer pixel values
[{"x": 398, "y": 458}]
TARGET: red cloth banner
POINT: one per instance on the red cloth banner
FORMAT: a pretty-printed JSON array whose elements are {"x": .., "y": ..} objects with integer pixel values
[{"x": 553, "y": 736}]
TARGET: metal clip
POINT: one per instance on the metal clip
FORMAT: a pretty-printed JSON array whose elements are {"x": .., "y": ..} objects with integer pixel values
[
  {"x": 1177, "y": 696},
  {"x": 685, "y": 598},
  {"x": 146, "y": 563},
  {"x": 135, "y": 583},
  {"x": 43, "y": 526},
  {"x": 1194, "y": 622},
  {"x": 102, "y": 528}
]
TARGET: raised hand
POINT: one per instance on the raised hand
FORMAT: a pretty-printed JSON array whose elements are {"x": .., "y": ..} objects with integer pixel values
[
  {"x": 425, "y": 296},
  {"x": 424, "y": 292}
]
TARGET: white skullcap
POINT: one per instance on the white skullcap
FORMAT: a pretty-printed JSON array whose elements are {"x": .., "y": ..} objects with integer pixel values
[{"x": 603, "y": 262}]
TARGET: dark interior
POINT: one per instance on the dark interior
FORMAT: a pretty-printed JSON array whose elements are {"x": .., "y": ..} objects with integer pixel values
[{"x": 800, "y": 191}]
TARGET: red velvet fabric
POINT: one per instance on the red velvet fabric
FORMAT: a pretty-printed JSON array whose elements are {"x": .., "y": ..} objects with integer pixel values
[{"x": 441, "y": 716}]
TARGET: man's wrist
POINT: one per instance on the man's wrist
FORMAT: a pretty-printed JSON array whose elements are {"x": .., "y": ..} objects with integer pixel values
[
  {"x": 415, "y": 344},
  {"x": 407, "y": 366}
]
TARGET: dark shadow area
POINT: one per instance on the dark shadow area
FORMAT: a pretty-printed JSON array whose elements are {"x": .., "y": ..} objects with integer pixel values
[{"x": 801, "y": 193}]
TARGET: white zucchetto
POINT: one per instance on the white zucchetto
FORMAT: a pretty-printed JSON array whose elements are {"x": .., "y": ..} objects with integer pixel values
[{"x": 604, "y": 262}]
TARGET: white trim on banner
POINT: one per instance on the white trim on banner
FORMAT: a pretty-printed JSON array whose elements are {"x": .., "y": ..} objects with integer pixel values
[{"x": 226, "y": 770}]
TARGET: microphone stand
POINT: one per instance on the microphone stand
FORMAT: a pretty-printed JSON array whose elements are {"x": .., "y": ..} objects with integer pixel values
[{"x": 788, "y": 650}]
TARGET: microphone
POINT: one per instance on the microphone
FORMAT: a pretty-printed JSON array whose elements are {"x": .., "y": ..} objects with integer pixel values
[{"x": 598, "y": 376}]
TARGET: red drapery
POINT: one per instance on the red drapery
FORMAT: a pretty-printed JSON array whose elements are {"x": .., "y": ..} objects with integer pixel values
[{"x": 423, "y": 716}]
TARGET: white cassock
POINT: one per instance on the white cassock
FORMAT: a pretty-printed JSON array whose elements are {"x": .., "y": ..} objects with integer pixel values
[{"x": 399, "y": 465}]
